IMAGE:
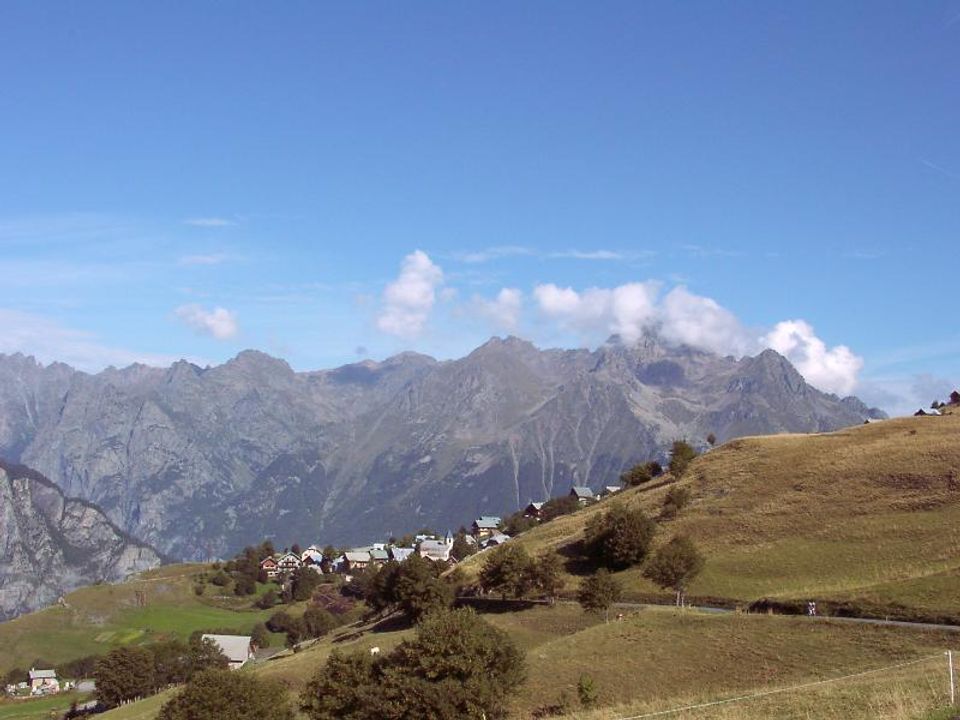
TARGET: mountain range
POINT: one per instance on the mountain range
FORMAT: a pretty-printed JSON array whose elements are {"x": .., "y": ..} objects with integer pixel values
[
  {"x": 51, "y": 544},
  {"x": 200, "y": 461}
]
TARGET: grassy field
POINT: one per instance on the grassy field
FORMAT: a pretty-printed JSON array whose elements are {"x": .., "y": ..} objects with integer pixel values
[
  {"x": 100, "y": 617},
  {"x": 866, "y": 516},
  {"x": 38, "y": 709},
  {"x": 652, "y": 659}
]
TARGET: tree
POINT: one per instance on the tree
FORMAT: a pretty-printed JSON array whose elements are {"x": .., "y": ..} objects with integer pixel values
[
  {"x": 518, "y": 524},
  {"x": 955, "y": 397},
  {"x": 318, "y": 621},
  {"x": 216, "y": 694},
  {"x": 555, "y": 507},
  {"x": 205, "y": 654},
  {"x": 506, "y": 571},
  {"x": 619, "y": 538},
  {"x": 268, "y": 600},
  {"x": 303, "y": 582},
  {"x": 598, "y": 592},
  {"x": 675, "y": 566},
  {"x": 418, "y": 591},
  {"x": 245, "y": 584},
  {"x": 711, "y": 439},
  {"x": 456, "y": 666},
  {"x": 675, "y": 500},
  {"x": 587, "y": 691},
  {"x": 681, "y": 455},
  {"x": 462, "y": 548},
  {"x": 171, "y": 662},
  {"x": 637, "y": 475},
  {"x": 124, "y": 674},
  {"x": 545, "y": 575},
  {"x": 260, "y": 636}
]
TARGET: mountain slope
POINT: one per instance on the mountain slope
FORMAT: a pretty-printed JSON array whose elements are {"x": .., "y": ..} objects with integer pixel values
[
  {"x": 201, "y": 461},
  {"x": 866, "y": 519},
  {"x": 51, "y": 544}
]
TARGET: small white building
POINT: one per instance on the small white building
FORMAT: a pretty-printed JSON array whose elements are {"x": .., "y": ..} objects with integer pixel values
[
  {"x": 238, "y": 649},
  {"x": 437, "y": 549}
]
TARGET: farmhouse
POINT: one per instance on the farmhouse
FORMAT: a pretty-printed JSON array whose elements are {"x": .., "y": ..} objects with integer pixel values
[
  {"x": 44, "y": 682},
  {"x": 497, "y": 538},
  {"x": 609, "y": 490},
  {"x": 534, "y": 511},
  {"x": 485, "y": 526},
  {"x": 270, "y": 567},
  {"x": 400, "y": 554},
  {"x": 583, "y": 495},
  {"x": 237, "y": 648},
  {"x": 355, "y": 560},
  {"x": 288, "y": 562},
  {"x": 927, "y": 411}
]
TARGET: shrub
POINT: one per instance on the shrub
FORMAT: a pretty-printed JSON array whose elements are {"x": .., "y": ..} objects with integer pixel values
[
  {"x": 457, "y": 666},
  {"x": 675, "y": 566},
  {"x": 224, "y": 694},
  {"x": 555, "y": 507},
  {"x": 675, "y": 500},
  {"x": 619, "y": 538},
  {"x": 681, "y": 455},
  {"x": 598, "y": 592}
]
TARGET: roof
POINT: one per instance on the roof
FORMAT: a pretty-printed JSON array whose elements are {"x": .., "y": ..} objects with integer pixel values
[
  {"x": 235, "y": 647},
  {"x": 43, "y": 674},
  {"x": 401, "y": 553},
  {"x": 581, "y": 492},
  {"x": 289, "y": 556},
  {"x": 610, "y": 489},
  {"x": 497, "y": 539},
  {"x": 434, "y": 547},
  {"x": 353, "y": 556},
  {"x": 313, "y": 556},
  {"x": 536, "y": 505},
  {"x": 268, "y": 560},
  {"x": 378, "y": 554},
  {"x": 487, "y": 522},
  {"x": 927, "y": 411}
]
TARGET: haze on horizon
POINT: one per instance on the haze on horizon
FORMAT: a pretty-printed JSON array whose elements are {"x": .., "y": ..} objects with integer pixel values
[{"x": 334, "y": 183}]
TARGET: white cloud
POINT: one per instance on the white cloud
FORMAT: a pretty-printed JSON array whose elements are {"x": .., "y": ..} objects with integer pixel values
[
  {"x": 492, "y": 253},
  {"x": 209, "y": 222},
  {"x": 218, "y": 323},
  {"x": 589, "y": 255},
  {"x": 408, "y": 300},
  {"x": 504, "y": 310},
  {"x": 832, "y": 369},
  {"x": 214, "y": 259},
  {"x": 49, "y": 341},
  {"x": 684, "y": 317},
  {"x": 702, "y": 322},
  {"x": 624, "y": 310}
]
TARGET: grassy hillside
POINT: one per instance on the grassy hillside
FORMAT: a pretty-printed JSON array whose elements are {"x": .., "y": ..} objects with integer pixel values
[
  {"x": 99, "y": 617},
  {"x": 654, "y": 657},
  {"x": 868, "y": 516}
]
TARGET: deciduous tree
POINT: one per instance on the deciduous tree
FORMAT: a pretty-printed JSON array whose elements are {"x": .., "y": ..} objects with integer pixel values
[{"x": 675, "y": 566}]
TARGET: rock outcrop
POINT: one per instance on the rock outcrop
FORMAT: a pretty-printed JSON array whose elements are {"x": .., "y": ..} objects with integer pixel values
[{"x": 51, "y": 544}]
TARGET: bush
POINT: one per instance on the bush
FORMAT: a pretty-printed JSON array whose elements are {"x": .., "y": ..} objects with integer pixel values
[
  {"x": 224, "y": 694},
  {"x": 555, "y": 507},
  {"x": 457, "y": 666},
  {"x": 123, "y": 674},
  {"x": 260, "y": 636},
  {"x": 675, "y": 500},
  {"x": 507, "y": 571},
  {"x": 681, "y": 455},
  {"x": 641, "y": 474},
  {"x": 598, "y": 592},
  {"x": 619, "y": 538},
  {"x": 268, "y": 600},
  {"x": 675, "y": 566},
  {"x": 318, "y": 621}
]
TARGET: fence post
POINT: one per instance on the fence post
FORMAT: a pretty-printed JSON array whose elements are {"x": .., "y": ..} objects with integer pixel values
[{"x": 953, "y": 687}]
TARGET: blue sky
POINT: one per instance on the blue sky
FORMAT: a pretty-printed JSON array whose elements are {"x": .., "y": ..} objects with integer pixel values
[{"x": 195, "y": 179}]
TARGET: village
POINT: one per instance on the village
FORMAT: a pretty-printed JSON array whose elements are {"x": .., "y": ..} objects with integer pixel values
[{"x": 486, "y": 531}]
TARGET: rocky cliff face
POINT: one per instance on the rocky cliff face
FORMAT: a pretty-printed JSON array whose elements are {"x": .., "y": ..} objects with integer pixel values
[
  {"x": 51, "y": 544},
  {"x": 201, "y": 461}
]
